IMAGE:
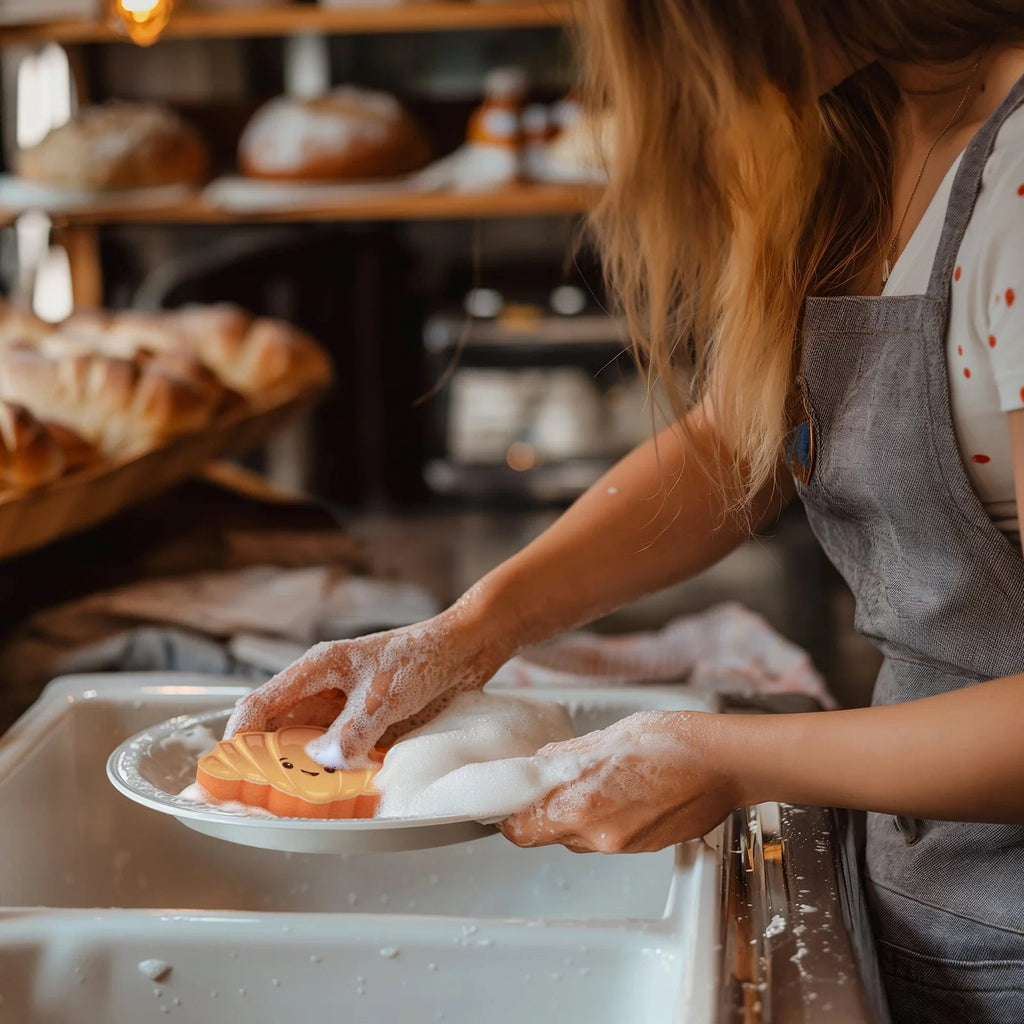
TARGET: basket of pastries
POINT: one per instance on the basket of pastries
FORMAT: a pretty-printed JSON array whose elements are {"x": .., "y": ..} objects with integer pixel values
[{"x": 107, "y": 408}]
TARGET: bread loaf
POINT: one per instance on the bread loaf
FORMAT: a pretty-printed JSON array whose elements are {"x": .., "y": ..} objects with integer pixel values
[
  {"x": 116, "y": 146},
  {"x": 29, "y": 454},
  {"x": 347, "y": 134},
  {"x": 78, "y": 453},
  {"x": 122, "y": 406},
  {"x": 261, "y": 358},
  {"x": 175, "y": 362}
]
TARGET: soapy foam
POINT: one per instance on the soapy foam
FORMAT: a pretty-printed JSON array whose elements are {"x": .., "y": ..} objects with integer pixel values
[
  {"x": 475, "y": 759},
  {"x": 604, "y": 770},
  {"x": 359, "y": 689},
  {"x": 195, "y": 794},
  {"x": 195, "y": 741},
  {"x": 154, "y": 969}
]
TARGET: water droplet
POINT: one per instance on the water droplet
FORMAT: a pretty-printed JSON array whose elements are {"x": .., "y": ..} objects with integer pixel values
[
  {"x": 389, "y": 952},
  {"x": 276, "y": 982},
  {"x": 214, "y": 993},
  {"x": 241, "y": 991},
  {"x": 314, "y": 959},
  {"x": 177, "y": 1001},
  {"x": 431, "y": 966},
  {"x": 158, "y": 992}
]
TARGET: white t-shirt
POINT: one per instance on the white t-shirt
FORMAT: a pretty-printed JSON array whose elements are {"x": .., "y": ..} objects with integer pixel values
[{"x": 985, "y": 336}]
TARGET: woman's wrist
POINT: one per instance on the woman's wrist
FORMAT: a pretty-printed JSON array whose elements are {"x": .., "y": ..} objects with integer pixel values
[
  {"x": 484, "y": 624},
  {"x": 744, "y": 750}
]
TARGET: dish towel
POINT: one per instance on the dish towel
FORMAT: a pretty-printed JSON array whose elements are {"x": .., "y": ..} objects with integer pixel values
[{"x": 727, "y": 649}]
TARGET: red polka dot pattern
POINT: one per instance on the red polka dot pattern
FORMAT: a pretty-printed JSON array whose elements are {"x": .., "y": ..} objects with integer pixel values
[
  {"x": 1010, "y": 296},
  {"x": 959, "y": 350},
  {"x": 1020, "y": 190},
  {"x": 982, "y": 459},
  {"x": 991, "y": 341},
  {"x": 958, "y": 273},
  {"x": 967, "y": 373}
]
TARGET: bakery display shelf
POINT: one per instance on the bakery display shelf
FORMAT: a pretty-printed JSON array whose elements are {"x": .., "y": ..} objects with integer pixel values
[
  {"x": 287, "y": 19},
  {"x": 30, "y": 519},
  {"x": 510, "y": 201}
]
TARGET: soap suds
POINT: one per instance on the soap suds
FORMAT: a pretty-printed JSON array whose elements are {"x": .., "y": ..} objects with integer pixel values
[
  {"x": 380, "y": 685},
  {"x": 475, "y": 760},
  {"x": 776, "y": 926},
  {"x": 195, "y": 741},
  {"x": 155, "y": 970},
  {"x": 195, "y": 794}
]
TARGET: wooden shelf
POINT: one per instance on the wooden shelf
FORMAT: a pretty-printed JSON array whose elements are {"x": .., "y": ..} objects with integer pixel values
[
  {"x": 515, "y": 201},
  {"x": 287, "y": 19}
]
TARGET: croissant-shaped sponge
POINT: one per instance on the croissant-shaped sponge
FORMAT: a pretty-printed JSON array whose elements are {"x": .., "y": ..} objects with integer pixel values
[{"x": 272, "y": 770}]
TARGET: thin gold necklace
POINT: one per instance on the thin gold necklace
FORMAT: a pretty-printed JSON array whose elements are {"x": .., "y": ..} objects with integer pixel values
[{"x": 890, "y": 258}]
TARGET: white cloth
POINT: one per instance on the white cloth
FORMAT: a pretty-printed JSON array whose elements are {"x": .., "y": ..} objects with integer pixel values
[
  {"x": 985, "y": 336},
  {"x": 475, "y": 760},
  {"x": 726, "y": 649}
]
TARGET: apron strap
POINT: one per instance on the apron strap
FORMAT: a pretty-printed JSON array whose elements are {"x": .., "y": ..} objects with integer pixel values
[{"x": 966, "y": 186}]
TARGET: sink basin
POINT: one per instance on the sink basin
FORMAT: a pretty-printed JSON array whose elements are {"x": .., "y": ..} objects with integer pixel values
[{"x": 91, "y": 884}]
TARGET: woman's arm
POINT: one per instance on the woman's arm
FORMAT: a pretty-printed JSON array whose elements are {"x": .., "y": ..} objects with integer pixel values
[
  {"x": 654, "y": 519},
  {"x": 651, "y": 521},
  {"x": 956, "y": 757}
]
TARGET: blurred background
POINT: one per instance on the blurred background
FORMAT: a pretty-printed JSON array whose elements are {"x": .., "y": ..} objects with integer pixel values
[{"x": 479, "y": 382}]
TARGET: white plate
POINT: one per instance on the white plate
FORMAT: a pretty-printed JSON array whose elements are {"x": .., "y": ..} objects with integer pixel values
[{"x": 154, "y": 766}]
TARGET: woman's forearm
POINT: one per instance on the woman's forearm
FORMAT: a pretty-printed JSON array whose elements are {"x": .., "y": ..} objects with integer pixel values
[
  {"x": 958, "y": 756},
  {"x": 654, "y": 519}
]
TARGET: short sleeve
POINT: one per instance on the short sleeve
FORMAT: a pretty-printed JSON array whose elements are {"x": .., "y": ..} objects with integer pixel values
[{"x": 1001, "y": 213}]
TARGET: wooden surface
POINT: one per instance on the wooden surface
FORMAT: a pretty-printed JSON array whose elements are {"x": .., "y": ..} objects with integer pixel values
[
  {"x": 513, "y": 201},
  {"x": 287, "y": 19},
  {"x": 29, "y": 519}
]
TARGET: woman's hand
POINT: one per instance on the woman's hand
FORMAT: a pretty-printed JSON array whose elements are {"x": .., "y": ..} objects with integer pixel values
[
  {"x": 651, "y": 780},
  {"x": 376, "y": 687}
]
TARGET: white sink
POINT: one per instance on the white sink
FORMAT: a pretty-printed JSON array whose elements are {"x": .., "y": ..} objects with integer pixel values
[{"x": 481, "y": 933}]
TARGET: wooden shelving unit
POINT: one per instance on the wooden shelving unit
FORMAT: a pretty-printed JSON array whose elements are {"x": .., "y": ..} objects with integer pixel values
[
  {"x": 514, "y": 201},
  {"x": 288, "y": 19}
]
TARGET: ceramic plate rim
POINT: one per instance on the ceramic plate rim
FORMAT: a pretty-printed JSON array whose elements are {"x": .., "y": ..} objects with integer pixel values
[{"x": 149, "y": 795}]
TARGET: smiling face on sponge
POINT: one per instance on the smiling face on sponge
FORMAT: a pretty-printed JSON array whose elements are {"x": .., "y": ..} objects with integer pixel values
[{"x": 272, "y": 770}]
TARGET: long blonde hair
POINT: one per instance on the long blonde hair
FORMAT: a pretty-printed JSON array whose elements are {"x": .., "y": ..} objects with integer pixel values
[{"x": 736, "y": 192}]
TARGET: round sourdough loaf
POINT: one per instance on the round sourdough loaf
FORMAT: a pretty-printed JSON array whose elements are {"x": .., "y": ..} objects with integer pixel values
[
  {"x": 347, "y": 134},
  {"x": 117, "y": 146}
]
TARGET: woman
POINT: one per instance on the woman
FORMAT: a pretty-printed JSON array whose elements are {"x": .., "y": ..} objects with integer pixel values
[{"x": 821, "y": 206}]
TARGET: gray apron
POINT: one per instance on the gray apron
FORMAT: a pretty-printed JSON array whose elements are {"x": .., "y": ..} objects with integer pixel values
[{"x": 940, "y": 590}]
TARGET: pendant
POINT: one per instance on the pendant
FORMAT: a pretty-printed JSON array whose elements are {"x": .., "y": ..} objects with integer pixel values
[{"x": 886, "y": 271}]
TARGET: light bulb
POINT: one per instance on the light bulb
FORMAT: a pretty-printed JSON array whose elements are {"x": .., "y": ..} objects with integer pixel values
[{"x": 143, "y": 20}]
